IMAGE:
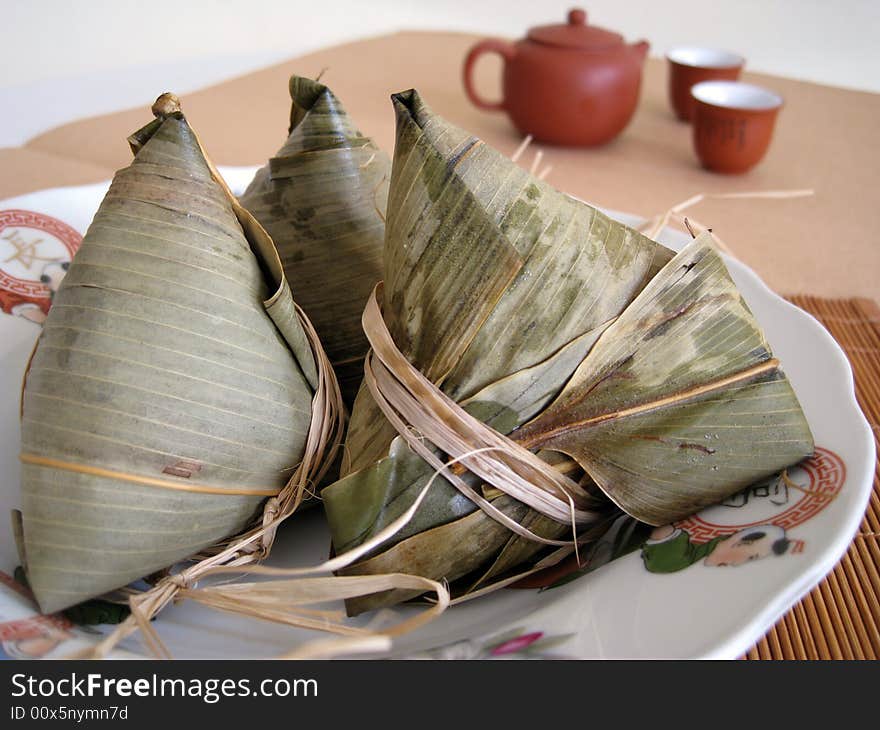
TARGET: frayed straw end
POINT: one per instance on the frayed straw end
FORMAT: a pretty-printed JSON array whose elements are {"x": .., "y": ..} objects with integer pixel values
[{"x": 166, "y": 105}]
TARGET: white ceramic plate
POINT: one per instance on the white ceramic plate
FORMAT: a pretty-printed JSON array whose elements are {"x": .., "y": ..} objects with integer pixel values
[{"x": 697, "y": 609}]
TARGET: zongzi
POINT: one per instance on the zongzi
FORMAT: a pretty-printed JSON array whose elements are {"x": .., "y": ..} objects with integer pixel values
[
  {"x": 322, "y": 199},
  {"x": 170, "y": 391},
  {"x": 639, "y": 372}
]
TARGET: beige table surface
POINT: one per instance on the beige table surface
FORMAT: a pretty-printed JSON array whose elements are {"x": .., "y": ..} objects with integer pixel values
[{"x": 825, "y": 140}]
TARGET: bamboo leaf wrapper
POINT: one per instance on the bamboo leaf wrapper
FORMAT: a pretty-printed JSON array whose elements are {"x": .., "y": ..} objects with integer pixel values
[
  {"x": 322, "y": 199},
  {"x": 578, "y": 337},
  {"x": 170, "y": 391}
]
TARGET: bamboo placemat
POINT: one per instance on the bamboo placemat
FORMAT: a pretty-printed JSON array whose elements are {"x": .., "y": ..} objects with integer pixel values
[{"x": 840, "y": 619}]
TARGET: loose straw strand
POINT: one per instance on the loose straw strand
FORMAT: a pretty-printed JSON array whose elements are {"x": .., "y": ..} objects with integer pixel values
[
  {"x": 655, "y": 225},
  {"x": 536, "y": 162},
  {"x": 527, "y": 140}
]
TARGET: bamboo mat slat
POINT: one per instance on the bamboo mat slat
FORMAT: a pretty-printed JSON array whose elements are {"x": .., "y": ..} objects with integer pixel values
[{"x": 840, "y": 618}]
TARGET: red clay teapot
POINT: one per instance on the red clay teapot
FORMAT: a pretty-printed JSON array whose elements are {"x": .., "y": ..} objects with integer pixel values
[{"x": 572, "y": 84}]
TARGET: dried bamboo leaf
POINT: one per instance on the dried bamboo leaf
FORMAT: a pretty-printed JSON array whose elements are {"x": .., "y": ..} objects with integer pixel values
[
  {"x": 680, "y": 402},
  {"x": 382, "y": 494},
  {"x": 518, "y": 550},
  {"x": 322, "y": 199},
  {"x": 170, "y": 391},
  {"x": 518, "y": 397}
]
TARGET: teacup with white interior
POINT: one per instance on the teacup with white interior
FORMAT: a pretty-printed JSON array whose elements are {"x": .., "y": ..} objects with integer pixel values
[{"x": 689, "y": 65}]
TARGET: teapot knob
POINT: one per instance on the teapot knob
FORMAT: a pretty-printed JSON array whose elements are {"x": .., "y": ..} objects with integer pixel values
[{"x": 577, "y": 17}]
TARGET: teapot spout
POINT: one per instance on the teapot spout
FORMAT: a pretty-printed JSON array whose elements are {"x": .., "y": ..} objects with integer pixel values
[{"x": 641, "y": 49}]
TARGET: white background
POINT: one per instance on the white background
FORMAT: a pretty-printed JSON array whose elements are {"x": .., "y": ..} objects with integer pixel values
[{"x": 62, "y": 59}]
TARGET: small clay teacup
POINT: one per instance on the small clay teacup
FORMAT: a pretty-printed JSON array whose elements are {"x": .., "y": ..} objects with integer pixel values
[
  {"x": 733, "y": 123},
  {"x": 689, "y": 65}
]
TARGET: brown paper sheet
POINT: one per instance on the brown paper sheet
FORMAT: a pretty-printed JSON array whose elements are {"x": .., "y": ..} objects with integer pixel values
[{"x": 825, "y": 140}]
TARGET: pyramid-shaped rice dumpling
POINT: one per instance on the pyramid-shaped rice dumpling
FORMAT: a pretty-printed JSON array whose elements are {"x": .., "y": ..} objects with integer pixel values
[
  {"x": 170, "y": 391},
  {"x": 639, "y": 370},
  {"x": 322, "y": 199}
]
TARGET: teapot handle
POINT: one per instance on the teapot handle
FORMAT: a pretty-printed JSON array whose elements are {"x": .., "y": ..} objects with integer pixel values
[{"x": 493, "y": 45}]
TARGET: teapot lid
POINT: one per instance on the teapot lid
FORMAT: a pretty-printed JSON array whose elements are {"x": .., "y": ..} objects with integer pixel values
[{"x": 577, "y": 33}]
